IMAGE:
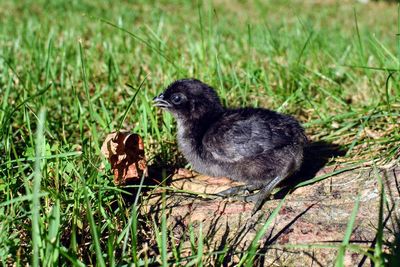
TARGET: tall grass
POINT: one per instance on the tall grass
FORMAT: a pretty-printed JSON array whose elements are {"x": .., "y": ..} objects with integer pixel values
[{"x": 95, "y": 67}]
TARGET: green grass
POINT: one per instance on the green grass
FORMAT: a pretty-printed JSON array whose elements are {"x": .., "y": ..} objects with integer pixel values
[{"x": 73, "y": 71}]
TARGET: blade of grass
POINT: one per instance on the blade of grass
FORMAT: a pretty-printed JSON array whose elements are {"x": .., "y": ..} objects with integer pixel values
[
  {"x": 387, "y": 89},
  {"x": 132, "y": 223},
  {"x": 203, "y": 47},
  {"x": 370, "y": 68},
  {"x": 40, "y": 147},
  {"x": 158, "y": 51},
  {"x": 303, "y": 49},
  {"x": 249, "y": 255},
  {"x": 93, "y": 230},
  {"x": 92, "y": 114},
  {"x": 360, "y": 45},
  {"x": 131, "y": 102},
  {"x": 378, "y": 251},
  {"x": 52, "y": 244},
  {"x": 398, "y": 36},
  {"x": 125, "y": 232},
  {"x": 359, "y": 131},
  {"x": 164, "y": 233},
  {"x": 74, "y": 260},
  {"x": 196, "y": 248},
  {"x": 322, "y": 177},
  {"x": 27, "y": 197},
  {"x": 346, "y": 239},
  {"x": 200, "y": 246}
]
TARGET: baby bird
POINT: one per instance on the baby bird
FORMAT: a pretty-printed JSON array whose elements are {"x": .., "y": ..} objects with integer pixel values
[{"x": 256, "y": 146}]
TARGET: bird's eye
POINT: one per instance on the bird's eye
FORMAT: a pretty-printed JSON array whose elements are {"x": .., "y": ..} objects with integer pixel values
[{"x": 177, "y": 99}]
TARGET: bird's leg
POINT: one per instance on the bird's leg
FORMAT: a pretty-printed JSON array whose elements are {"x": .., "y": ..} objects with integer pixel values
[
  {"x": 264, "y": 193},
  {"x": 238, "y": 189},
  {"x": 259, "y": 197}
]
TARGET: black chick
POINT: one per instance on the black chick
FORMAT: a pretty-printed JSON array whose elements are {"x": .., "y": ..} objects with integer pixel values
[{"x": 253, "y": 145}]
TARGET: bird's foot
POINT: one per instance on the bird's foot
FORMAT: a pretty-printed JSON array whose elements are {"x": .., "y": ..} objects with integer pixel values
[
  {"x": 258, "y": 198},
  {"x": 241, "y": 189},
  {"x": 249, "y": 198},
  {"x": 263, "y": 194}
]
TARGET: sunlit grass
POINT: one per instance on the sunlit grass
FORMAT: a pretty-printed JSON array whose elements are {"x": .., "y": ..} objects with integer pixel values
[{"x": 95, "y": 67}]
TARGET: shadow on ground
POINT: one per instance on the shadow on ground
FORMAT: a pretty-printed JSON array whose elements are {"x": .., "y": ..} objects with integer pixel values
[
  {"x": 163, "y": 166},
  {"x": 316, "y": 156}
]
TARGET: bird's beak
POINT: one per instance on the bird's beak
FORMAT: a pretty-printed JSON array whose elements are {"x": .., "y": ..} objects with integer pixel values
[{"x": 159, "y": 101}]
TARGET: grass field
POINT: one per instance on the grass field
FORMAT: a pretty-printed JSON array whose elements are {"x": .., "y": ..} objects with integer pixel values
[{"x": 69, "y": 71}]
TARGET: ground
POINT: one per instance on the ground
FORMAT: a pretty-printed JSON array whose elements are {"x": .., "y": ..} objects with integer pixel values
[
  {"x": 71, "y": 72},
  {"x": 315, "y": 215}
]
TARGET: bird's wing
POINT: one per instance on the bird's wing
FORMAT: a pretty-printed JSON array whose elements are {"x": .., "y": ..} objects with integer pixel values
[{"x": 240, "y": 139}]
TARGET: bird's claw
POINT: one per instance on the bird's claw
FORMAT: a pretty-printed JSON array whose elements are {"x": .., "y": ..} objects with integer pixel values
[
  {"x": 258, "y": 198},
  {"x": 238, "y": 190}
]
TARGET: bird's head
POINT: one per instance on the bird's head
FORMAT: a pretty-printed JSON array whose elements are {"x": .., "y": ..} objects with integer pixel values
[{"x": 189, "y": 99}]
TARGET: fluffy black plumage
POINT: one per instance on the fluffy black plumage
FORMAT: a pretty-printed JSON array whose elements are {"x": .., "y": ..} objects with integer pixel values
[{"x": 257, "y": 146}]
